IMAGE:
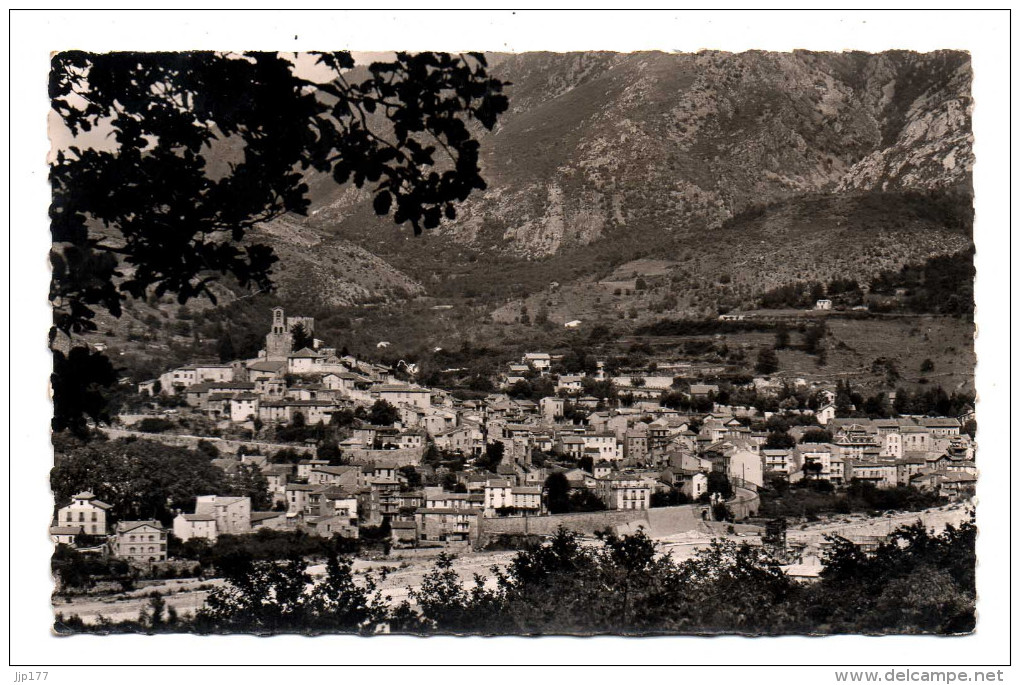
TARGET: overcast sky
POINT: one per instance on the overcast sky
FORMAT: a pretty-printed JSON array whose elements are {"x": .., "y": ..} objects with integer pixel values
[{"x": 100, "y": 137}]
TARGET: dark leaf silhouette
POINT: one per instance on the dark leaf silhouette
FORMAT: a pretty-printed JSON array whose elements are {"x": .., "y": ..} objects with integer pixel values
[{"x": 158, "y": 210}]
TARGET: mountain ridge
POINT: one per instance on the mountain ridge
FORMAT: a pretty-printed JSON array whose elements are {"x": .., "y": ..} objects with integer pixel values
[{"x": 596, "y": 142}]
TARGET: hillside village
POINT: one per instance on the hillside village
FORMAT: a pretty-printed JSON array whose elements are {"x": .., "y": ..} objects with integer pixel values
[
  {"x": 346, "y": 445},
  {"x": 537, "y": 343}
]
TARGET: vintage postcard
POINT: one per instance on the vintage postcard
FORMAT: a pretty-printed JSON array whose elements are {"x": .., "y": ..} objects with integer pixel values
[
  {"x": 370, "y": 340},
  {"x": 501, "y": 344}
]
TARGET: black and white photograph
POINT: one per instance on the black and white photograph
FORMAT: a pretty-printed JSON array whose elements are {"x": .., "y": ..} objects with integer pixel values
[{"x": 392, "y": 342}]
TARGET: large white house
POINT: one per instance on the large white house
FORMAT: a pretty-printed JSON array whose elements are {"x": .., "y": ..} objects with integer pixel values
[
  {"x": 86, "y": 512},
  {"x": 404, "y": 394}
]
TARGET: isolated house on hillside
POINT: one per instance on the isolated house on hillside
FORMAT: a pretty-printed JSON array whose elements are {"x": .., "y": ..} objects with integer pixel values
[{"x": 540, "y": 361}]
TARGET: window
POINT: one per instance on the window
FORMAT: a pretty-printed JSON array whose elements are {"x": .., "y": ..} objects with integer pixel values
[
  {"x": 94, "y": 516},
  {"x": 131, "y": 538},
  {"x": 81, "y": 515},
  {"x": 131, "y": 550},
  {"x": 69, "y": 516}
]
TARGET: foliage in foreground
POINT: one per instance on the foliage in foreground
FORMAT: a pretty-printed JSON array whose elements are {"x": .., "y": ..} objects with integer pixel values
[
  {"x": 402, "y": 131},
  {"x": 917, "y": 582}
]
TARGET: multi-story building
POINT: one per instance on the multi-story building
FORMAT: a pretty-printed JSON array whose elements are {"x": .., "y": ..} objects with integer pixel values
[
  {"x": 404, "y": 394},
  {"x": 297, "y": 497},
  {"x": 232, "y": 514},
  {"x": 891, "y": 444},
  {"x": 569, "y": 384},
  {"x": 437, "y": 498},
  {"x": 635, "y": 445},
  {"x": 349, "y": 476},
  {"x": 305, "y": 467},
  {"x": 539, "y": 361},
  {"x": 139, "y": 541},
  {"x": 244, "y": 407},
  {"x": 916, "y": 439},
  {"x": 882, "y": 475},
  {"x": 526, "y": 500},
  {"x": 605, "y": 443},
  {"x": 776, "y": 461},
  {"x": 624, "y": 491},
  {"x": 465, "y": 439},
  {"x": 942, "y": 426},
  {"x": 85, "y": 511},
  {"x": 813, "y": 461},
  {"x": 313, "y": 411},
  {"x": 187, "y": 526},
  {"x": 552, "y": 408},
  {"x": 277, "y": 476},
  {"x": 378, "y": 501},
  {"x": 436, "y": 524},
  {"x": 907, "y": 468},
  {"x": 498, "y": 497}
]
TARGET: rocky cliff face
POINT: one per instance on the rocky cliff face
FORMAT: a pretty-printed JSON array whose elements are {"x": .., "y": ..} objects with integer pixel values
[
  {"x": 933, "y": 144},
  {"x": 598, "y": 146}
]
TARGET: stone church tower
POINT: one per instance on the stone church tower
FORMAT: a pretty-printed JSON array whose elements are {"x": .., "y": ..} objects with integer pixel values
[{"x": 279, "y": 340}]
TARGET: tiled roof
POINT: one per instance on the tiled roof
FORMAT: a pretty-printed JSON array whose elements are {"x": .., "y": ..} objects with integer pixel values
[
  {"x": 265, "y": 515},
  {"x": 436, "y": 497},
  {"x": 128, "y": 526},
  {"x": 267, "y": 366},
  {"x": 443, "y": 510},
  {"x": 941, "y": 422},
  {"x": 401, "y": 388},
  {"x": 334, "y": 470}
]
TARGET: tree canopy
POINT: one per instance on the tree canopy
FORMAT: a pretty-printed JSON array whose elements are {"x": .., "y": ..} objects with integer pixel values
[
  {"x": 301, "y": 337},
  {"x": 143, "y": 479},
  {"x": 382, "y": 413},
  {"x": 203, "y": 146},
  {"x": 917, "y": 582},
  {"x": 557, "y": 490}
]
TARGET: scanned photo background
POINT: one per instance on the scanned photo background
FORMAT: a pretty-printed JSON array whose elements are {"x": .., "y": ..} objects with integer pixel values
[{"x": 516, "y": 315}]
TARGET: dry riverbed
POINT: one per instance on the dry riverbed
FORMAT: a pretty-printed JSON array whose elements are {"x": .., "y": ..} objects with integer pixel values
[{"x": 188, "y": 595}]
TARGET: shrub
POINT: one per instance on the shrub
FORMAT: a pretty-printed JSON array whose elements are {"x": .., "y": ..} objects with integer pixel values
[{"x": 154, "y": 425}]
